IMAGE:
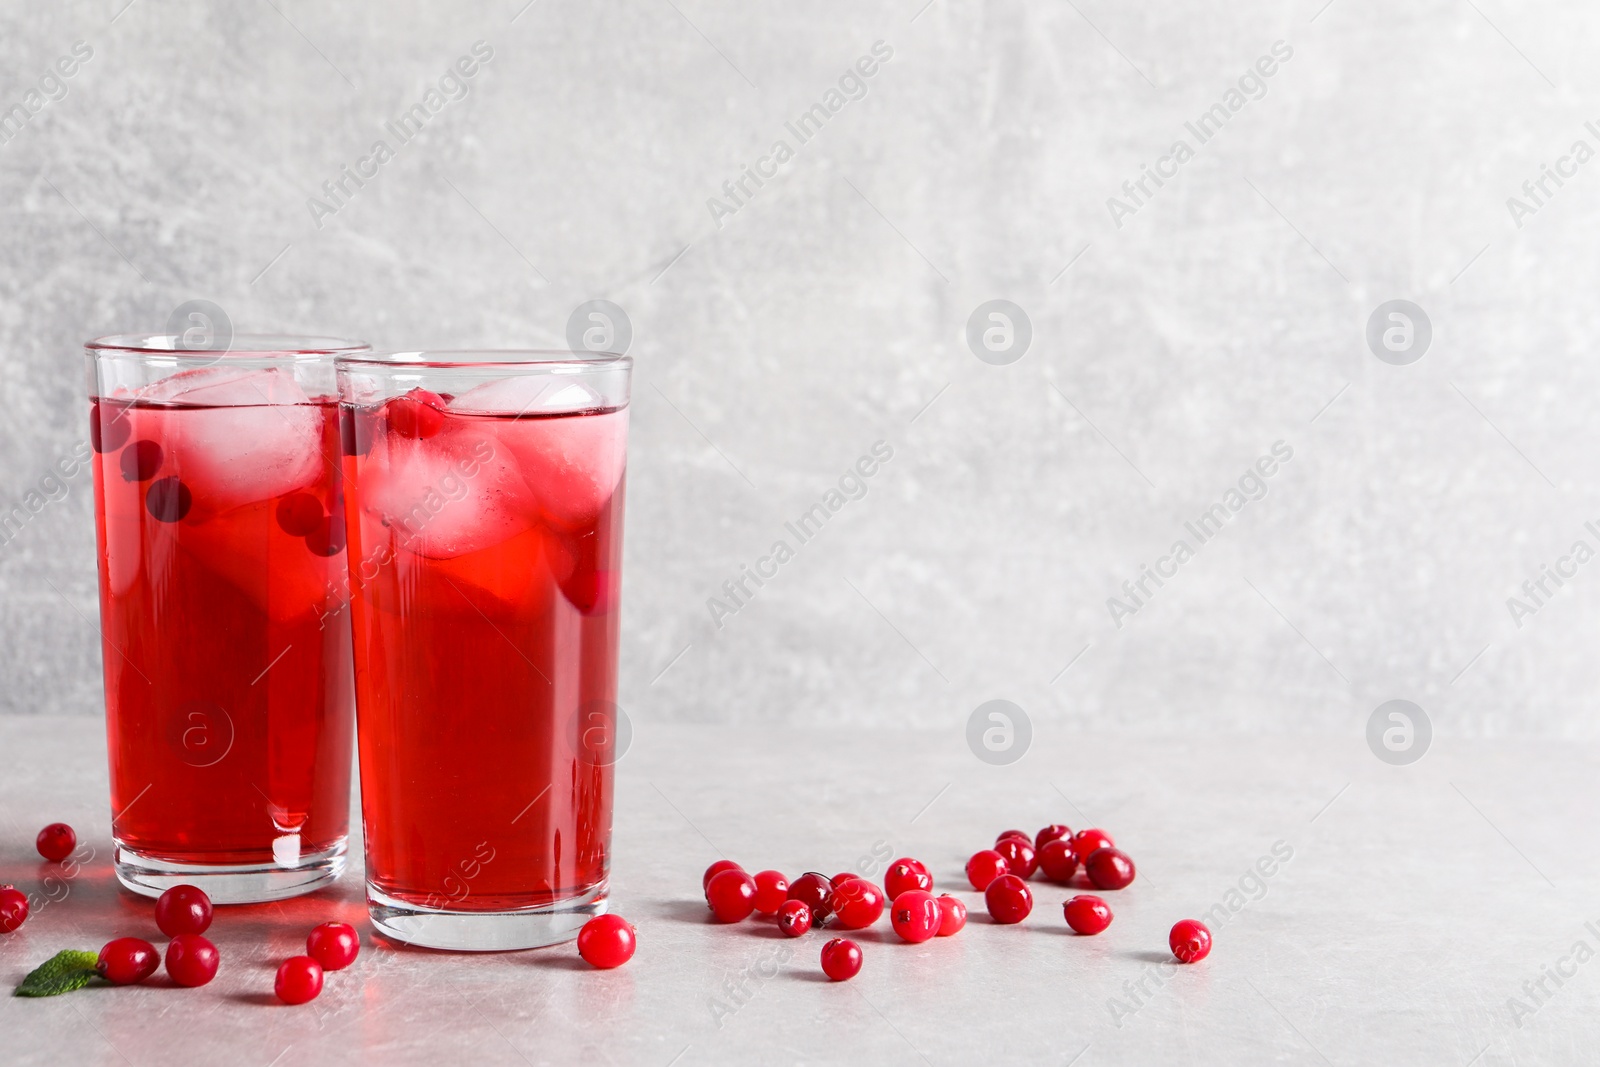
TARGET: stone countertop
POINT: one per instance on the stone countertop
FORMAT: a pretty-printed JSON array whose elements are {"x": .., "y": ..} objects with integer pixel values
[{"x": 1414, "y": 903}]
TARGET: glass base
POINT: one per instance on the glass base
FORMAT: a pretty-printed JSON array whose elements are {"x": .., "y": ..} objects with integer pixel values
[
  {"x": 241, "y": 883},
  {"x": 484, "y": 931}
]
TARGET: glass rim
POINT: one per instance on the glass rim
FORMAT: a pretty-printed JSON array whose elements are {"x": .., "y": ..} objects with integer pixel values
[
  {"x": 525, "y": 359},
  {"x": 242, "y": 346}
]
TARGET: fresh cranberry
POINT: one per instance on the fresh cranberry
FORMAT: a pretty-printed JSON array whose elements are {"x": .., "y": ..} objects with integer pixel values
[
  {"x": 952, "y": 915},
  {"x": 1085, "y": 842},
  {"x": 607, "y": 941},
  {"x": 984, "y": 867},
  {"x": 794, "y": 917},
  {"x": 1087, "y": 914},
  {"x": 841, "y": 878},
  {"x": 904, "y": 875},
  {"x": 127, "y": 960},
  {"x": 1054, "y": 832},
  {"x": 299, "y": 980},
  {"x": 299, "y": 513},
  {"x": 13, "y": 908},
  {"x": 772, "y": 889},
  {"x": 1008, "y": 899},
  {"x": 817, "y": 894},
  {"x": 732, "y": 896},
  {"x": 329, "y": 537},
  {"x": 191, "y": 960},
  {"x": 168, "y": 499},
  {"x": 56, "y": 842},
  {"x": 1013, "y": 833},
  {"x": 418, "y": 414},
  {"x": 1109, "y": 868},
  {"x": 108, "y": 426},
  {"x": 141, "y": 460},
  {"x": 716, "y": 869},
  {"x": 841, "y": 959},
  {"x": 915, "y": 915},
  {"x": 1057, "y": 861},
  {"x": 1020, "y": 858},
  {"x": 1190, "y": 940},
  {"x": 183, "y": 909},
  {"x": 333, "y": 945},
  {"x": 857, "y": 904}
]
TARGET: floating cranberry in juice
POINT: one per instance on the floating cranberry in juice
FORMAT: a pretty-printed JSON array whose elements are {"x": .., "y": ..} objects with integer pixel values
[
  {"x": 484, "y": 505},
  {"x": 226, "y": 652}
]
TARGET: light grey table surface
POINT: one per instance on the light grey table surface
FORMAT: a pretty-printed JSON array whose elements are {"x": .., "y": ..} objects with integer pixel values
[{"x": 1417, "y": 902}]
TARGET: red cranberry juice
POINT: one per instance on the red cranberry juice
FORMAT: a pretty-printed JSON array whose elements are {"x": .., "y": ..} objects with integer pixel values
[
  {"x": 228, "y": 679},
  {"x": 485, "y": 557}
]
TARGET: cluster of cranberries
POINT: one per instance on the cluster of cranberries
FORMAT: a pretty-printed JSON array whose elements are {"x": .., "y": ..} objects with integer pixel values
[
  {"x": 184, "y": 914},
  {"x": 850, "y": 902},
  {"x": 846, "y": 901},
  {"x": 1001, "y": 873},
  {"x": 1057, "y": 853}
]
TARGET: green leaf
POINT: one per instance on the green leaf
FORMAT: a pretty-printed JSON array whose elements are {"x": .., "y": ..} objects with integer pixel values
[{"x": 62, "y": 973}]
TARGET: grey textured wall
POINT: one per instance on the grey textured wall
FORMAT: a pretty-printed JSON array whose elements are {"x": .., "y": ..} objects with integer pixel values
[{"x": 776, "y": 344}]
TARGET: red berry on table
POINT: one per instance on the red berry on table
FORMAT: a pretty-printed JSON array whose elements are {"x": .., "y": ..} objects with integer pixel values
[
  {"x": 906, "y": 874},
  {"x": 841, "y": 959},
  {"x": 952, "y": 915},
  {"x": 299, "y": 980},
  {"x": 1020, "y": 858},
  {"x": 732, "y": 896},
  {"x": 127, "y": 960},
  {"x": 1054, "y": 832},
  {"x": 607, "y": 941},
  {"x": 1087, "y": 914},
  {"x": 984, "y": 867},
  {"x": 183, "y": 909},
  {"x": 333, "y": 945},
  {"x": 13, "y": 908},
  {"x": 56, "y": 842},
  {"x": 794, "y": 917},
  {"x": 191, "y": 960},
  {"x": 716, "y": 869},
  {"x": 1085, "y": 842},
  {"x": 915, "y": 915},
  {"x": 1190, "y": 940},
  {"x": 1008, "y": 899},
  {"x": 816, "y": 892},
  {"x": 857, "y": 904},
  {"x": 418, "y": 414},
  {"x": 772, "y": 889},
  {"x": 1109, "y": 868},
  {"x": 1013, "y": 833},
  {"x": 1057, "y": 861},
  {"x": 842, "y": 877}
]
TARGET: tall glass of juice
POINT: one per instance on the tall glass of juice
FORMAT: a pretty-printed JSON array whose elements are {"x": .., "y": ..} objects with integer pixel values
[
  {"x": 229, "y": 695},
  {"x": 484, "y": 503}
]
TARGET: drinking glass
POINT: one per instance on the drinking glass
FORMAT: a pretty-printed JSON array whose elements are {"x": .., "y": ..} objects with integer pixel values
[
  {"x": 228, "y": 687},
  {"x": 484, "y": 498}
]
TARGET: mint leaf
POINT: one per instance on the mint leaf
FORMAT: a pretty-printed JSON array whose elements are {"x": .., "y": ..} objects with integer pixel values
[{"x": 62, "y": 973}]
